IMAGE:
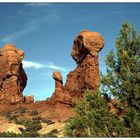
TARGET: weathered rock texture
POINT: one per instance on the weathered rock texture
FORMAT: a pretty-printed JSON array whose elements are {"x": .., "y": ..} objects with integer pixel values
[
  {"x": 86, "y": 76},
  {"x": 12, "y": 76}
]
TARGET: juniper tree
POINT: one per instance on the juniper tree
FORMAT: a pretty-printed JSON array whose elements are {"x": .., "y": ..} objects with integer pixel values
[
  {"x": 94, "y": 119},
  {"x": 122, "y": 79}
]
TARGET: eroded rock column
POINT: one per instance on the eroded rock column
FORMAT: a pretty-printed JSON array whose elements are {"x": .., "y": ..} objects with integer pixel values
[{"x": 13, "y": 78}]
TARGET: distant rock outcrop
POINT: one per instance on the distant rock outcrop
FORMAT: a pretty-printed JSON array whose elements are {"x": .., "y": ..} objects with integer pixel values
[
  {"x": 86, "y": 76},
  {"x": 12, "y": 76}
]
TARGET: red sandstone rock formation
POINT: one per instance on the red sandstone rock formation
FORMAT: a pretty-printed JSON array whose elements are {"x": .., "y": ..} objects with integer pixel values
[
  {"x": 85, "y": 52},
  {"x": 28, "y": 99},
  {"x": 59, "y": 94},
  {"x": 86, "y": 76},
  {"x": 12, "y": 76}
]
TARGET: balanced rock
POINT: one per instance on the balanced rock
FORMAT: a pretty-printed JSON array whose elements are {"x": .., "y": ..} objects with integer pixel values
[
  {"x": 12, "y": 76},
  {"x": 85, "y": 52}
]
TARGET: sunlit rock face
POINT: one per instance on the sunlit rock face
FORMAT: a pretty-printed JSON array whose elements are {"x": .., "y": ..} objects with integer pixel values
[
  {"x": 85, "y": 50},
  {"x": 13, "y": 78}
]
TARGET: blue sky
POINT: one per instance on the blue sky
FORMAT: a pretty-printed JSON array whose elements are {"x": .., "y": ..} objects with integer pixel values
[{"x": 45, "y": 31}]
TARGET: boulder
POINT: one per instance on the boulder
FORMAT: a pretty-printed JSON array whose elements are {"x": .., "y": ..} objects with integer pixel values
[
  {"x": 28, "y": 99},
  {"x": 13, "y": 78}
]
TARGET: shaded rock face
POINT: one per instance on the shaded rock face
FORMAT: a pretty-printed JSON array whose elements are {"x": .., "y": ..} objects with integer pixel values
[
  {"x": 85, "y": 51},
  {"x": 12, "y": 76}
]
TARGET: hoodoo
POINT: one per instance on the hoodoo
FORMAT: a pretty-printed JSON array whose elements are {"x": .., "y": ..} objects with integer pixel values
[
  {"x": 85, "y": 51},
  {"x": 13, "y": 78}
]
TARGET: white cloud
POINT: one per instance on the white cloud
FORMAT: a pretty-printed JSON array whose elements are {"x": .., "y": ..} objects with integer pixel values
[
  {"x": 37, "y": 65},
  {"x": 30, "y": 64},
  {"x": 54, "y": 67}
]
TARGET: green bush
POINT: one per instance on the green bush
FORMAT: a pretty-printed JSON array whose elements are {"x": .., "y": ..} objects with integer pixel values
[
  {"x": 10, "y": 116},
  {"x": 22, "y": 121},
  {"x": 34, "y": 112},
  {"x": 9, "y": 134},
  {"x": 22, "y": 110},
  {"x": 47, "y": 120},
  {"x": 36, "y": 118},
  {"x": 93, "y": 119},
  {"x": 7, "y": 115},
  {"x": 33, "y": 126}
]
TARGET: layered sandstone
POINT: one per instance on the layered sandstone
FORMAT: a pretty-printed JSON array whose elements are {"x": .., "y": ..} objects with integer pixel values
[
  {"x": 12, "y": 76},
  {"x": 85, "y": 51}
]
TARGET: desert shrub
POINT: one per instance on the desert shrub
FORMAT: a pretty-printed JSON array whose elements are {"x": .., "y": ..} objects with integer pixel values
[
  {"x": 7, "y": 114},
  {"x": 22, "y": 110},
  {"x": 9, "y": 134},
  {"x": 21, "y": 121},
  {"x": 10, "y": 116},
  {"x": 36, "y": 118},
  {"x": 34, "y": 112},
  {"x": 33, "y": 126},
  {"x": 47, "y": 120}
]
